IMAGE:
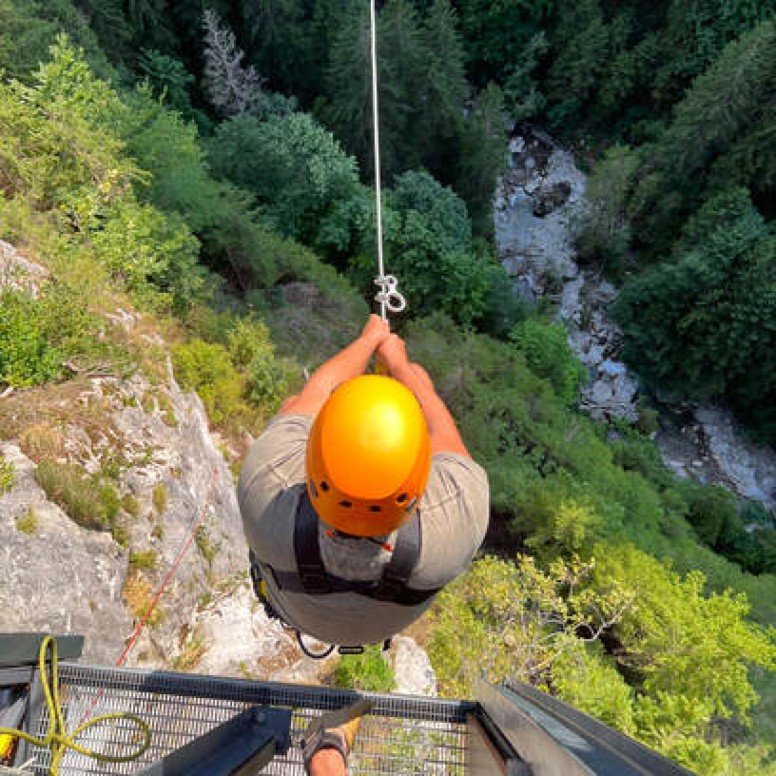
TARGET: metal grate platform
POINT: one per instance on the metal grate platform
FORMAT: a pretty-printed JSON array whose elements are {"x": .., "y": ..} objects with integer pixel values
[{"x": 404, "y": 735}]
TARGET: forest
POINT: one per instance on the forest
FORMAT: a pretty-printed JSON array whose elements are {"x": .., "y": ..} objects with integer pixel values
[{"x": 209, "y": 159}]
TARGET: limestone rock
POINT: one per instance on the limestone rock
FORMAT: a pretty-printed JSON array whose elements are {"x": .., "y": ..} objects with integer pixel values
[
  {"x": 80, "y": 592},
  {"x": 412, "y": 668},
  {"x": 16, "y": 272},
  {"x": 750, "y": 470}
]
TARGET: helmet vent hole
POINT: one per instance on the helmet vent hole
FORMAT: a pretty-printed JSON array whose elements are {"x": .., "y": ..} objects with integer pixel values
[
  {"x": 401, "y": 498},
  {"x": 346, "y": 504},
  {"x": 374, "y": 508},
  {"x": 324, "y": 486}
]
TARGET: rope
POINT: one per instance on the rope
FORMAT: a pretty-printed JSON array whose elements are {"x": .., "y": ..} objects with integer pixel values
[
  {"x": 389, "y": 297},
  {"x": 57, "y": 739},
  {"x": 188, "y": 539}
]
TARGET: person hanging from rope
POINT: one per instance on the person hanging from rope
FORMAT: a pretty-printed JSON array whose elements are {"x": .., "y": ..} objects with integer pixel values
[{"x": 360, "y": 500}]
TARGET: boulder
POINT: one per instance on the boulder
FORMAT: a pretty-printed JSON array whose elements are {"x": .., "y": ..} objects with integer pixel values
[{"x": 411, "y": 668}]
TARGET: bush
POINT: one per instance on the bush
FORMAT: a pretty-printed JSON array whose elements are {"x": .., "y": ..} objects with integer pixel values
[
  {"x": 208, "y": 370},
  {"x": 26, "y": 354},
  {"x": 90, "y": 501},
  {"x": 369, "y": 671},
  {"x": 267, "y": 376},
  {"x": 547, "y": 352}
]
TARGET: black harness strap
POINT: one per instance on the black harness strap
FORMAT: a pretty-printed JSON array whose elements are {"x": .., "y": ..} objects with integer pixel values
[
  {"x": 313, "y": 578},
  {"x": 406, "y": 553},
  {"x": 309, "y": 561}
]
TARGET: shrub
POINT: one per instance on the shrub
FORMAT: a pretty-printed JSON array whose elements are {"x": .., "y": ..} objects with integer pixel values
[
  {"x": 209, "y": 371},
  {"x": 547, "y": 352},
  {"x": 267, "y": 376},
  {"x": 369, "y": 671},
  {"x": 26, "y": 354},
  {"x": 7, "y": 475},
  {"x": 207, "y": 547},
  {"x": 90, "y": 501}
]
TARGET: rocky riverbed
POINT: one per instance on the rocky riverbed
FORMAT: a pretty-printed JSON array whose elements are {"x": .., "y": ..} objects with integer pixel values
[{"x": 538, "y": 205}]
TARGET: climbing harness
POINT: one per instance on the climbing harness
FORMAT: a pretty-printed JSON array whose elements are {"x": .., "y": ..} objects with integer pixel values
[
  {"x": 312, "y": 578},
  {"x": 389, "y": 297},
  {"x": 57, "y": 739}
]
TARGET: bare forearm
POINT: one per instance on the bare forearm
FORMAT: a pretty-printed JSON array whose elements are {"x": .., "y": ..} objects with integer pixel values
[
  {"x": 442, "y": 428},
  {"x": 345, "y": 365}
]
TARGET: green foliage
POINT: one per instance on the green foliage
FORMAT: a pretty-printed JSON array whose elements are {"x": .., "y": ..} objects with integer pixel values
[
  {"x": 130, "y": 505},
  {"x": 297, "y": 172},
  {"x": 547, "y": 352},
  {"x": 586, "y": 678},
  {"x": 680, "y": 642},
  {"x": 90, "y": 501},
  {"x": 719, "y": 108},
  {"x": 267, "y": 376},
  {"x": 369, "y": 671},
  {"x": 143, "y": 560},
  {"x": 604, "y": 234},
  {"x": 27, "y": 522},
  {"x": 496, "y": 34},
  {"x": 208, "y": 370},
  {"x": 7, "y": 475},
  {"x": 704, "y": 323},
  {"x": 26, "y": 355},
  {"x": 482, "y": 156},
  {"x": 38, "y": 336},
  {"x": 582, "y": 41},
  {"x": 159, "y": 498},
  {"x": 429, "y": 246},
  {"x": 518, "y": 606},
  {"x": 169, "y": 79}
]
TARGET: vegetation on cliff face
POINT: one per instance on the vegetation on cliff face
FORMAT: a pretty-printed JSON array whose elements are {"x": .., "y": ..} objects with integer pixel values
[{"x": 247, "y": 241}]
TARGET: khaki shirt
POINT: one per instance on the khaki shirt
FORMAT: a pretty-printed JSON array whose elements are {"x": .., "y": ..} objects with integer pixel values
[{"x": 454, "y": 513}]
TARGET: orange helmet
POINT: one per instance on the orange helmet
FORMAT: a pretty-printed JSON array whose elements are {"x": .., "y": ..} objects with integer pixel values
[{"x": 368, "y": 456}]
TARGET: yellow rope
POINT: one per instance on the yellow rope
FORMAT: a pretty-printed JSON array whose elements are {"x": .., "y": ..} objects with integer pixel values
[{"x": 57, "y": 739}]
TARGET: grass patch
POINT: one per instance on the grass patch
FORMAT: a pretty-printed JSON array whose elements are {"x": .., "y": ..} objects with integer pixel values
[
  {"x": 192, "y": 652},
  {"x": 369, "y": 671},
  {"x": 42, "y": 441},
  {"x": 159, "y": 498},
  {"x": 143, "y": 560},
  {"x": 130, "y": 505},
  {"x": 28, "y": 522},
  {"x": 207, "y": 547},
  {"x": 7, "y": 475},
  {"x": 137, "y": 594},
  {"x": 90, "y": 501}
]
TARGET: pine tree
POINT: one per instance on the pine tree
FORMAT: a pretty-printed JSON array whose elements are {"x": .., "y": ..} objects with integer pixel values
[
  {"x": 483, "y": 157},
  {"x": 348, "y": 111},
  {"x": 276, "y": 40},
  {"x": 446, "y": 89}
]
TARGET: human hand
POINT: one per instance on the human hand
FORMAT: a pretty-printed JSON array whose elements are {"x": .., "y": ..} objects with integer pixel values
[
  {"x": 392, "y": 353},
  {"x": 376, "y": 331}
]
